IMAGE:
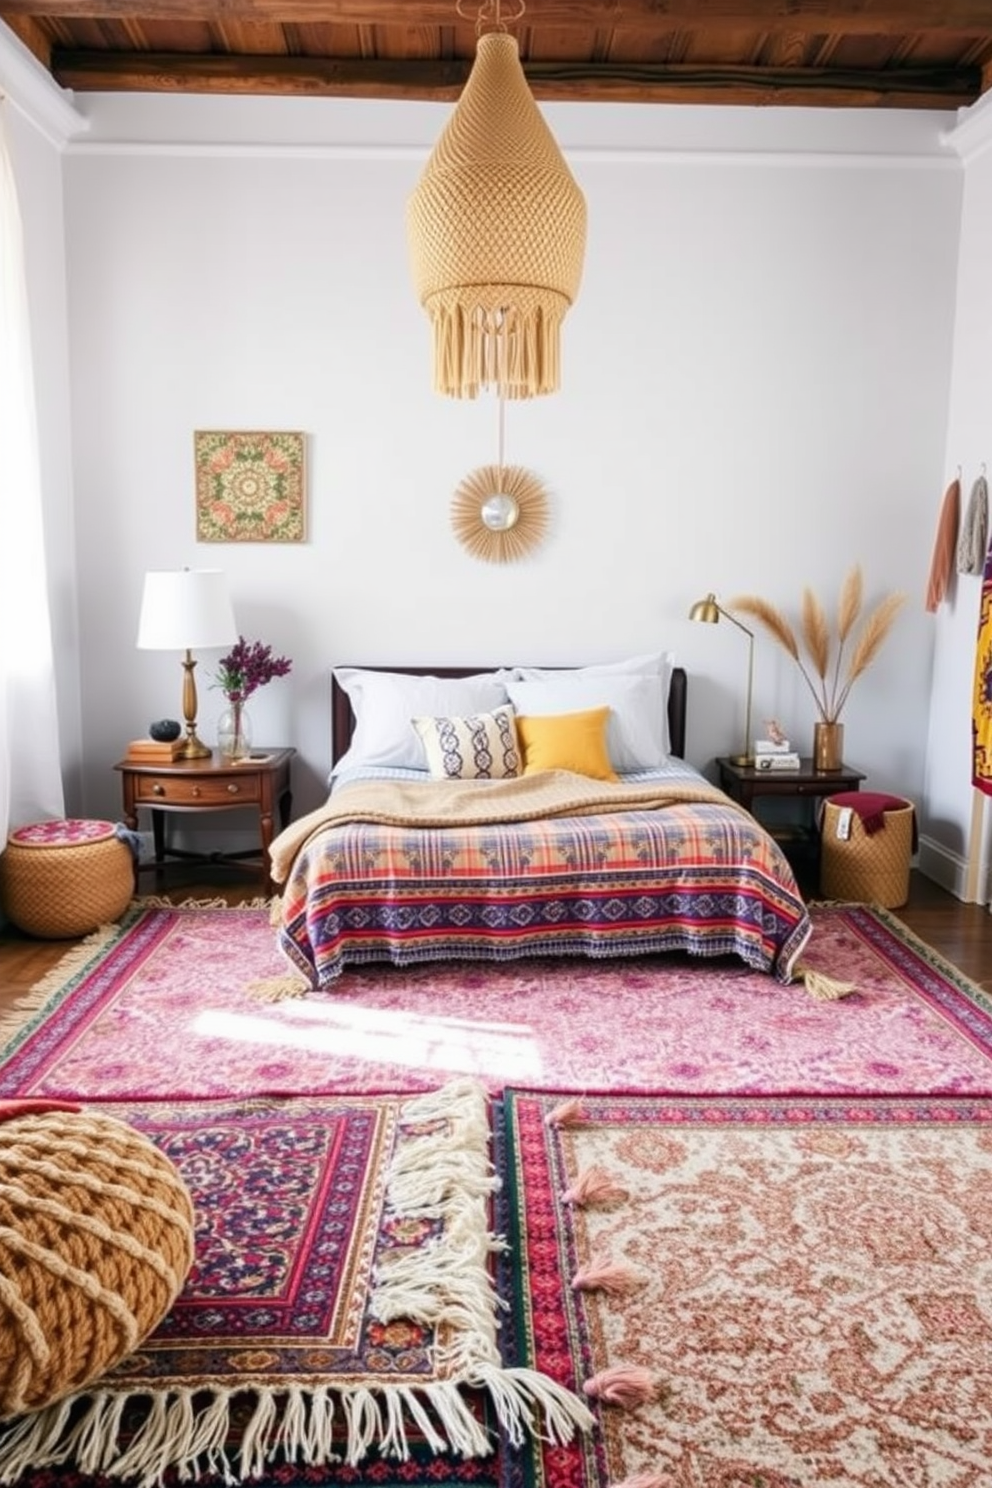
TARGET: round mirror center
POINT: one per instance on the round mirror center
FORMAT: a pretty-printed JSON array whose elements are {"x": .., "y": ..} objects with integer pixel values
[{"x": 499, "y": 512}]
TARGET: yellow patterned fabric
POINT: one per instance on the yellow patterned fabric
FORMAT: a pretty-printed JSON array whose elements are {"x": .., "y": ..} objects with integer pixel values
[{"x": 982, "y": 702}]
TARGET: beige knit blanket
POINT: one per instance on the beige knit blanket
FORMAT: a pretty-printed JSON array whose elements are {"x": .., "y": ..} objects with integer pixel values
[{"x": 458, "y": 803}]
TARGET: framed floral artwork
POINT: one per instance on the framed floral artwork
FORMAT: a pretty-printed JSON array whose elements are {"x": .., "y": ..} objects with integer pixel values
[{"x": 250, "y": 486}]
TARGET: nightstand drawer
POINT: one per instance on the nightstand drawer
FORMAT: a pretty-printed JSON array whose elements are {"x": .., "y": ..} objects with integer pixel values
[{"x": 172, "y": 790}]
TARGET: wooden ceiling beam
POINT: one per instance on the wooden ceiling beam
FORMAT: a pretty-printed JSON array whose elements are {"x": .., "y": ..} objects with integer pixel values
[
  {"x": 852, "y": 17},
  {"x": 429, "y": 80}
]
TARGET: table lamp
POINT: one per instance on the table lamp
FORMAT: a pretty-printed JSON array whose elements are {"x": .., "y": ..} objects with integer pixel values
[
  {"x": 180, "y": 611},
  {"x": 710, "y": 612}
]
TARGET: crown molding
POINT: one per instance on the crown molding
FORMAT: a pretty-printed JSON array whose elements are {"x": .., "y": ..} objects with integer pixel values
[
  {"x": 30, "y": 89},
  {"x": 972, "y": 134}
]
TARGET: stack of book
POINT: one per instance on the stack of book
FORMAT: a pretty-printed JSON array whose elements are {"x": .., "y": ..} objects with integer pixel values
[
  {"x": 769, "y": 755},
  {"x": 155, "y": 751}
]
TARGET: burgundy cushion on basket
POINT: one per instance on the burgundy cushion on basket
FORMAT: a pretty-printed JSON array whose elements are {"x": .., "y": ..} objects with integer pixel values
[{"x": 871, "y": 806}]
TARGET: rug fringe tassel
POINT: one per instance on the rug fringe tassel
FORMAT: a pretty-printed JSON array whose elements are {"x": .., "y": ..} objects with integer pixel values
[
  {"x": 645, "y": 1480},
  {"x": 449, "y": 1283},
  {"x": 568, "y": 1113},
  {"x": 625, "y": 1385},
  {"x": 595, "y": 1186},
  {"x": 821, "y": 986},
  {"x": 615, "y": 1278},
  {"x": 72, "y": 964},
  {"x": 278, "y": 988}
]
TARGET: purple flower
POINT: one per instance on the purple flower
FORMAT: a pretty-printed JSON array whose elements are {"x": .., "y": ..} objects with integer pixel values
[{"x": 248, "y": 666}]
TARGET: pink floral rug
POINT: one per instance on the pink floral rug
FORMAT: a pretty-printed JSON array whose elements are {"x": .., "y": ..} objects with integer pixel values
[
  {"x": 160, "y": 1006},
  {"x": 753, "y": 1292}
]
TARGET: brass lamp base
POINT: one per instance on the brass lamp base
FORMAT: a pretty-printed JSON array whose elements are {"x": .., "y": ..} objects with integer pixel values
[
  {"x": 193, "y": 748},
  {"x": 743, "y": 760}
]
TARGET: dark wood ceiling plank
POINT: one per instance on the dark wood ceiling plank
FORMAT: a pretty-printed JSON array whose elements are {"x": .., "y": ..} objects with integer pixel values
[
  {"x": 887, "y": 17},
  {"x": 440, "y": 80}
]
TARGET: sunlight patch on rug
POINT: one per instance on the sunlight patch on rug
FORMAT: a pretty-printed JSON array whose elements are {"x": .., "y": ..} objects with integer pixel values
[{"x": 340, "y": 1306}]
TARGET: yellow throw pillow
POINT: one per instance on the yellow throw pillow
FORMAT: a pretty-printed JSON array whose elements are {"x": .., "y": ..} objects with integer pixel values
[{"x": 567, "y": 741}]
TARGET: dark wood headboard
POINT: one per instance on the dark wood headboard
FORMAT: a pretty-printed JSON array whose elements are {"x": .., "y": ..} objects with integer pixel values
[{"x": 343, "y": 719}]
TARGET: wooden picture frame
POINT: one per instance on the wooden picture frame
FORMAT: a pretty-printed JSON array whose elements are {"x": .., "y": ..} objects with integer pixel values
[{"x": 250, "y": 485}]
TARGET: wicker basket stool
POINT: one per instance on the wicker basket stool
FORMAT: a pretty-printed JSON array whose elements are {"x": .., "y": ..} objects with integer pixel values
[
  {"x": 96, "y": 1240},
  {"x": 871, "y": 864},
  {"x": 64, "y": 878}
]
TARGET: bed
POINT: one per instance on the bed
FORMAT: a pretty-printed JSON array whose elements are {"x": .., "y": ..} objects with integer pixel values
[{"x": 583, "y": 832}]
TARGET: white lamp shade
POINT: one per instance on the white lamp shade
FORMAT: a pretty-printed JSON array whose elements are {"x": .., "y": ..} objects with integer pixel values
[{"x": 185, "y": 611}]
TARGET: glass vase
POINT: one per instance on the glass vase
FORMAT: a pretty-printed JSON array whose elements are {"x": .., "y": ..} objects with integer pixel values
[
  {"x": 234, "y": 732},
  {"x": 828, "y": 746}
]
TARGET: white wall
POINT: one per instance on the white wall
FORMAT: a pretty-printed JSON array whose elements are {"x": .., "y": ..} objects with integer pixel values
[
  {"x": 756, "y": 384},
  {"x": 951, "y": 832}
]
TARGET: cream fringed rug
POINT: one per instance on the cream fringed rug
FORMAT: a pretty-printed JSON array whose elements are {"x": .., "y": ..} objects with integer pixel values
[
  {"x": 783, "y": 1292},
  {"x": 340, "y": 1313}
]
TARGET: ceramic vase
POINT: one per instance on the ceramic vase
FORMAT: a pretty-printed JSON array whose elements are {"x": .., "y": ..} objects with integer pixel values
[{"x": 828, "y": 746}]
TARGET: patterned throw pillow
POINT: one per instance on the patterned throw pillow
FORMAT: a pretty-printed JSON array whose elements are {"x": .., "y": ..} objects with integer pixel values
[{"x": 480, "y": 747}]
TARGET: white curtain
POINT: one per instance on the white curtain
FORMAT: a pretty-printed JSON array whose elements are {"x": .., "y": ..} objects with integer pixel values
[{"x": 30, "y": 775}]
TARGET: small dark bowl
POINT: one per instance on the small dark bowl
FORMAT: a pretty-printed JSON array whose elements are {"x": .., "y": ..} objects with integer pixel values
[{"x": 165, "y": 730}]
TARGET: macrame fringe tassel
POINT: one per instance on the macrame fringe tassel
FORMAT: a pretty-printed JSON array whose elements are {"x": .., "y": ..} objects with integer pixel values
[
  {"x": 568, "y": 1113},
  {"x": 625, "y": 1385},
  {"x": 439, "y": 1168},
  {"x": 595, "y": 1186},
  {"x": 517, "y": 351},
  {"x": 615, "y": 1278},
  {"x": 823, "y": 987}
]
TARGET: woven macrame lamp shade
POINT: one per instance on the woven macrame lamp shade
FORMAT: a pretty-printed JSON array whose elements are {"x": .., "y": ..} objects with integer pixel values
[{"x": 497, "y": 231}]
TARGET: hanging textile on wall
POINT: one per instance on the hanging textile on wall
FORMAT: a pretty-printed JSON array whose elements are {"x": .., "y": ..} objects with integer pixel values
[
  {"x": 974, "y": 529},
  {"x": 981, "y": 716},
  {"x": 945, "y": 544}
]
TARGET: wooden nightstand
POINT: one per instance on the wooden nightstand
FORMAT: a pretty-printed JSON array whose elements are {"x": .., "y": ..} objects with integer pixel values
[
  {"x": 212, "y": 784},
  {"x": 799, "y": 838}
]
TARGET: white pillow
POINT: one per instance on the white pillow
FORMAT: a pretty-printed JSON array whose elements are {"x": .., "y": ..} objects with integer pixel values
[
  {"x": 653, "y": 663},
  {"x": 384, "y": 703},
  {"x": 637, "y": 729}
]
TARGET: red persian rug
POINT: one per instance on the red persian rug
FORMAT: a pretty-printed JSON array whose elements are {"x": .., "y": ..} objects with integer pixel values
[
  {"x": 754, "y": 1291},
  {"x": 161, "y": 1006},
  {"x": 339, "y": 1323}
]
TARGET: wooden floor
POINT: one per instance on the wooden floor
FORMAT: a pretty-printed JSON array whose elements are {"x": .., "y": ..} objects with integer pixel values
[{"x": 961, "y": 932}]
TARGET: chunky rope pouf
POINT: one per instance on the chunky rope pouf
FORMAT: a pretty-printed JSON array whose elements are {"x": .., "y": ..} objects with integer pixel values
[
  {"x": 64, "y": 878},
  {"x": 96, "y": 1240}
]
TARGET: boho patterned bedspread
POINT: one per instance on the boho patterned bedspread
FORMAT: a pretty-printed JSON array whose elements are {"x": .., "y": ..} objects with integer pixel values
[{"x": 554, "y": 864}]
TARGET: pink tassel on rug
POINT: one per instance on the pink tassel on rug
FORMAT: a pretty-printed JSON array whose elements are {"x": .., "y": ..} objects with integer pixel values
[
  {"x": 625, "y": 1385},
  {"x": 615, "y": 1278},
  {"x": 594, "y": 1186},
  {"x": 569, "y": 1113}
]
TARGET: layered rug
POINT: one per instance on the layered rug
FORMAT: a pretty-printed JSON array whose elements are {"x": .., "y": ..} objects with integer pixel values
[
  {"x": 754, "y": 1292},
  {"x": 164, "y": 1004},
  {"x": 339, "y": 1323}
]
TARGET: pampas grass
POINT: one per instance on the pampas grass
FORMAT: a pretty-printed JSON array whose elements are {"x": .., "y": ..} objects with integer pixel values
[{"x": 829, "y": 685}]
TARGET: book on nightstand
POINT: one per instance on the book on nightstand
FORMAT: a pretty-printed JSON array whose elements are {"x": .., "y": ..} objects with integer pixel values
[
  {"x": 155, "y": 751},
  {"x": 777, "y": 762}
]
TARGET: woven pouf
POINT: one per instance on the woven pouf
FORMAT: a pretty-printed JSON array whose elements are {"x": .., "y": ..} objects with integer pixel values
[
  {"x": 64, "y": 878},
  {"x": 96, "y": 1240},
  {"x": 866, "y": 866}
]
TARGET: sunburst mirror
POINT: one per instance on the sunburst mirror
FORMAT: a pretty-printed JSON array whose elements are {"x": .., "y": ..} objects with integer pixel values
[{"x": 500, "y": 512}]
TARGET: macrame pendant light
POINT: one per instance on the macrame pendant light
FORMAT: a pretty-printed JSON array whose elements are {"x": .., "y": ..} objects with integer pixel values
[{"x": 497, "y": 230}]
